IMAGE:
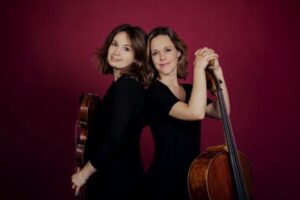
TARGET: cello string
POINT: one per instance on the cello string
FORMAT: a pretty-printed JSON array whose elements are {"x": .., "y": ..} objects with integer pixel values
[{"x": 232, "y": 148}]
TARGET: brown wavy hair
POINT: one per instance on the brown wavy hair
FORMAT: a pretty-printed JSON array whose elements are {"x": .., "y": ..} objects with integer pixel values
[
  {"x": 179, "y": 45},
  {"x": 138, "y": 69}
]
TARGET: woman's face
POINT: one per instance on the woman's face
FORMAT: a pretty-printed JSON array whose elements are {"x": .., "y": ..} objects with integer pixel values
[
  {"x": 120, "y": 53},
  {"x": 164, "y": 55}
]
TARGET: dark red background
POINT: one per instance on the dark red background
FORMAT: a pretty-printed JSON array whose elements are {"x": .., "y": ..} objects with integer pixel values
[{"x": 46, "y": 63}]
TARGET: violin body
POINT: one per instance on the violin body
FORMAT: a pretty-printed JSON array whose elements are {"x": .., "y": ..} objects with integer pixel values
[
  {"x": 85, "y": 124},
  {"x": 210, "y": 176}
]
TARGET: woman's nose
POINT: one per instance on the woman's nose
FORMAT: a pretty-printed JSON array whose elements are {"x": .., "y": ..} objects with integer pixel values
[
  {"x": 116, "y": 50},
  {"x": 161, "y": 56}
]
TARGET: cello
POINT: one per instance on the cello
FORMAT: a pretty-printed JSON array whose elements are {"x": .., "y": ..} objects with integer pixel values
[
  {"x": 221, "y": 172},
  {"x": 85, "y": 124}
]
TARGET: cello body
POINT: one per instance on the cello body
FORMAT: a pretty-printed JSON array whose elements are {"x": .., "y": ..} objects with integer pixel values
[
  {"x": 210, "y": 176},
  {"x": 221, "y": 172}
]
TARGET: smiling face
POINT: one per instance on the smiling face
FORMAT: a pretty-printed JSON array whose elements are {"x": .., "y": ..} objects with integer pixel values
[
  {"x": 164, "y": 55},
  {"x": 120, "y": 53}
]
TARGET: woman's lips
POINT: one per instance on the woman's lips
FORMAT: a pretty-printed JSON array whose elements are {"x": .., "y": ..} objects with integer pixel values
[
  {"x": 163, "y": 64},
  {"x": 114, "y": 59}
]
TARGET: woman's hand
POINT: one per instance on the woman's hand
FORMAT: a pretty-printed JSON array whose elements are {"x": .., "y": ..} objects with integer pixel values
[
  {"x": 215, "y": 65},
  {"x": 81, "y": 176},
  {"x": 78, "y": 180},
  {"x": 206, "y": 57}
]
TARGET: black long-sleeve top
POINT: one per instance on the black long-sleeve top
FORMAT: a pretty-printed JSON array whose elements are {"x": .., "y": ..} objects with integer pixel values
[{"x": 114, "y": 148}]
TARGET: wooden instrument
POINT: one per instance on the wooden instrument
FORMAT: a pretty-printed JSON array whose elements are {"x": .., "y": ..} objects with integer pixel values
[
  {"x": 221, "y": 172},
  {"x": 89, "y": 105}
]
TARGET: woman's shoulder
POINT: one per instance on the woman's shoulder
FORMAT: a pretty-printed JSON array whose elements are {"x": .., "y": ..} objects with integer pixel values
[
  {"x": 127, "y": 81},
  {"x": 158, "y": 91},
  {"x": 155, "y": 87}
]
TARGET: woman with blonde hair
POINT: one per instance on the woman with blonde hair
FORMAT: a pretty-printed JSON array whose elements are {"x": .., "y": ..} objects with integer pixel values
[{"x": 175, "y": 111}]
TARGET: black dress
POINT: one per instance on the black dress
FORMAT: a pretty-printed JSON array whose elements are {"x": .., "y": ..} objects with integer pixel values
[
  {"x": 177, "y": 143},
  {"x": 114, "y": 149}
]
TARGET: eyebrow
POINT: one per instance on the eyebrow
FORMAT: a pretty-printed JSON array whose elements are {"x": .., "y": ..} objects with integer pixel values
[
  {"x": 169, "y": 46},
  {"x": 125, "y": 45}
]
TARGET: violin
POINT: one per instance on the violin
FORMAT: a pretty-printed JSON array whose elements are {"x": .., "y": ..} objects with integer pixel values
[
  {"x": 221, "y": 172},
  {"x": 85, "y": 124}
]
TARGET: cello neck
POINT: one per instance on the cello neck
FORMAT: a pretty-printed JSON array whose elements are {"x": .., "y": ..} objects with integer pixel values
[{"x": 241, "y": 192}]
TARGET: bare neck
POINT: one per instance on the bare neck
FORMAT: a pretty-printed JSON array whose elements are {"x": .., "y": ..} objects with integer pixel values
[
  {"x": 116, "y": 74},
  {"x": 170, "y": 81}
]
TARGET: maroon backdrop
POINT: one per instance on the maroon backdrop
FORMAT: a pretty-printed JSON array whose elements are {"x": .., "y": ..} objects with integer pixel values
[{"x": 46, "y": 54}]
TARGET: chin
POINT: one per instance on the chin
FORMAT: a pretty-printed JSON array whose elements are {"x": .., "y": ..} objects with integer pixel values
[{"x": 166, "y": 71}]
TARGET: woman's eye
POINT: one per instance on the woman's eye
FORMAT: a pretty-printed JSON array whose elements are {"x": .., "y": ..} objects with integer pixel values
[
  {"x": 126, "y": 49},
  {"x": 168, "y": 50},
  {"x": 154, "y": 53},
  {"x": 114, "y": 44}
]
